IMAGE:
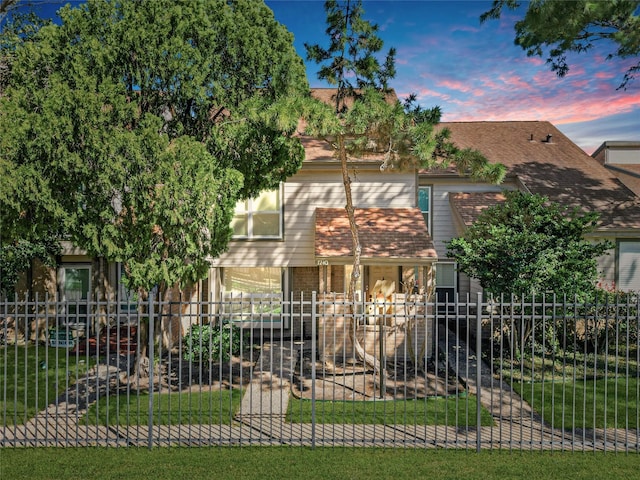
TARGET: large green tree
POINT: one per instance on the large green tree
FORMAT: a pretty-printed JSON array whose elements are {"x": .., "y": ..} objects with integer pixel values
[
  {"x": 134, "y": 127},
  {"x": 528, "y": 245},
  {"x": 556, "y": 28},
  {"x": 366, "y": 118}
]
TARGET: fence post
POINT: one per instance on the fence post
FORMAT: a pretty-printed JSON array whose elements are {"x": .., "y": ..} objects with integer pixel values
[
  {"x": 313, "y": 368},
  {"x": 151, "y": 315},
  {"x": 478, "y": 371}
]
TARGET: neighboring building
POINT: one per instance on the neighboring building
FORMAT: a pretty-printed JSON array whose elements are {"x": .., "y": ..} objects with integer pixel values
[
  {"x": 539, "y": 159},
  {"x": 623, "y": 160}
]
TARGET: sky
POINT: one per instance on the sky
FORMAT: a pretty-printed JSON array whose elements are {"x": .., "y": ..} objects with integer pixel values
[{"x": 475, "y": 72}]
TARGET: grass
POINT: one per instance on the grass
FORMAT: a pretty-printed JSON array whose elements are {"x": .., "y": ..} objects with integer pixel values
[
  {"x": 33, "y": 376},
  {"x": 568, "y": 366},
  {"x": 298, "y": 462},
  {"x": 578, "y": 390},
  {"x": 180, "y": 408},
  {"x": 430, "y": 411},
  {"x": 585, "y": 404}
]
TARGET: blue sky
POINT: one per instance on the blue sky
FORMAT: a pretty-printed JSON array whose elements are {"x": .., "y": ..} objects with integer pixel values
[{"x": 475, "y": 72}]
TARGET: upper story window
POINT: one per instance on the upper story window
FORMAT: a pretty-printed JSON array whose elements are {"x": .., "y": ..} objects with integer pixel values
[
  {"x": 424, "y": 203},
  {"x": 259, "y": 217}
]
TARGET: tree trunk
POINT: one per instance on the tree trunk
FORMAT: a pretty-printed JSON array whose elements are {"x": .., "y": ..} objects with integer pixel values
[{"x": 368, "y": 359}]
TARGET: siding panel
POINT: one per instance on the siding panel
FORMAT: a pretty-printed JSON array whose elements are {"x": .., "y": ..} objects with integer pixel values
[{"x": 303, "y": 193}]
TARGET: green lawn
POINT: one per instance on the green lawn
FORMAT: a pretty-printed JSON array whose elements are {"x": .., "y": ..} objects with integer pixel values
[
  {"x": 32, "y": 377},
  {"x": 430, "y": 411},
  {"x": 583, "y": 404},
  {"x": 279, "y": 463},
  {"x": 567, "y": 365},
  {"x": 215, "y": 407}
]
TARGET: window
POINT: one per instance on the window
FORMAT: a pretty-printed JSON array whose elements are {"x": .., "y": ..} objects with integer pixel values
[
  {"x": 446, "y": 282},
  {"x": 74, "y": 284},
  {"x": 253, "y": 296},
  {"x": 628, "y": 265},
  {"x": 127, "y": 299},
  {"x": 424, "y": 203},
  {"x": 259, "y": 217}
]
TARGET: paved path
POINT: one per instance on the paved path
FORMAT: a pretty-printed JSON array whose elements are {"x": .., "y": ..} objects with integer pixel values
[{"x": 261, "y": 418}]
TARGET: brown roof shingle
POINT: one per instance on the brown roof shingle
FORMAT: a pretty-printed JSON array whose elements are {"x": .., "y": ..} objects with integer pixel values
[
  {"x": 385, "y": 233},
  {"x": 557, "y": 168},
  {"x": 470, "y": 205}
]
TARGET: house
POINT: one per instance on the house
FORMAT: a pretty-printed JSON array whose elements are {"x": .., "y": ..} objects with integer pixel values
[
  {"x": 292, "y": 240},
  {"x": 295, "y": 240},
  {"x": 540, "y": 160},
  {"x": 623, "y": 160}
]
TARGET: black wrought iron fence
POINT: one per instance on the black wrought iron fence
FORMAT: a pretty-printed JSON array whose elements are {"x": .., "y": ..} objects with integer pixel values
[{"x": 542, "y": 373}]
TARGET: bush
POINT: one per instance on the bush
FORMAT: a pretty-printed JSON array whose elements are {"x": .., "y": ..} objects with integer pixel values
[
  {"x": 608, "y": 318},
  {"x": 590, "y": 323},
  {"x": 213, "y": 342}
]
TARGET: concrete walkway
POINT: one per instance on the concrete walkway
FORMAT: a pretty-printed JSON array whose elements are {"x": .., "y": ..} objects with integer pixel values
[
  {"x": 516, "y": 424},
  {"x": 261, "y": 419}
]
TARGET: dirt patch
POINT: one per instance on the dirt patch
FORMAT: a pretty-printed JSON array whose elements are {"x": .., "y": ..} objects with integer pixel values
[{"x": 179, "y": 375}]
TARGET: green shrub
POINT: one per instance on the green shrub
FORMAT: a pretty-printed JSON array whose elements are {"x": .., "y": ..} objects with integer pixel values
[{"x": 213, "y": 342}]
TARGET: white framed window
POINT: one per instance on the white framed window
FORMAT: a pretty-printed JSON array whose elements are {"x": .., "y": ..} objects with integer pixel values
[
  {"x": 259, "y": 217},
  {"x": 74, "y": 286},
  {"x": 446, "y": 281},
  {"x": 253, "y": 296},
  {"x": 424, "y": 203}
]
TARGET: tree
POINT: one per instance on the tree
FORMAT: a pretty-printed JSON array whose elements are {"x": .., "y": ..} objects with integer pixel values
[
  {"x": 6, "y": 6},
  {"x": 524, "y": 247},
  {"x": 370, "y": 118},
  {"x": 563, "y": 27},
  {"x": 366, "y": 117},
  {"x": 530, "y": 245},
  {"x": 135, "y": 127}
]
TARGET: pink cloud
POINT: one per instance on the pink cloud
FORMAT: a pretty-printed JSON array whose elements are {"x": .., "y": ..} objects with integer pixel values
[
  {"x": 560, "y": 109},
  {"x": 464, "y": 87},
  {"x": 514, "y": 81},
  {"x": 580, "y": 83},
  {"x": 604, "y": 75}
]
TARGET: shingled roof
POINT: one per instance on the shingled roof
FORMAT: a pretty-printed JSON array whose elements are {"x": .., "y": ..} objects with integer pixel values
[
  {"x": 317, "y": 149},
  {"x": 385, "y": 233},
  {"x": 546, "y": 162},
  {"x": 469, "y": 206}
]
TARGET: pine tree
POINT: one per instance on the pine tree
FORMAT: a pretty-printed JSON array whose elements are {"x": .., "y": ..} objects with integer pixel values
[{"x": 371, "y": 120}]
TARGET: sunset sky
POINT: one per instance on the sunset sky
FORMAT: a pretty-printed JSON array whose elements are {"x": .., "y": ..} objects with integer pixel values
[{"x": 475, "y": 72}]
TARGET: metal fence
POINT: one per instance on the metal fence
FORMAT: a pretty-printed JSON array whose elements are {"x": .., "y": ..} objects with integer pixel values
[{"x": 317, "y": 370}]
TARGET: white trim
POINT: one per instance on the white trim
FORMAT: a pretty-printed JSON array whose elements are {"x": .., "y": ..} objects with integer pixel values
[{"x": 250, "y": 212}]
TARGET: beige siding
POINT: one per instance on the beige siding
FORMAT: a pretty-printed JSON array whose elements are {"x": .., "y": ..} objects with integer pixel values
[
  {"x": 623, "y": 156},
  {"x": 443, "y": 224},
  {"x": 303, "y": 193},
  {"x": 607, "y": 267}
]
